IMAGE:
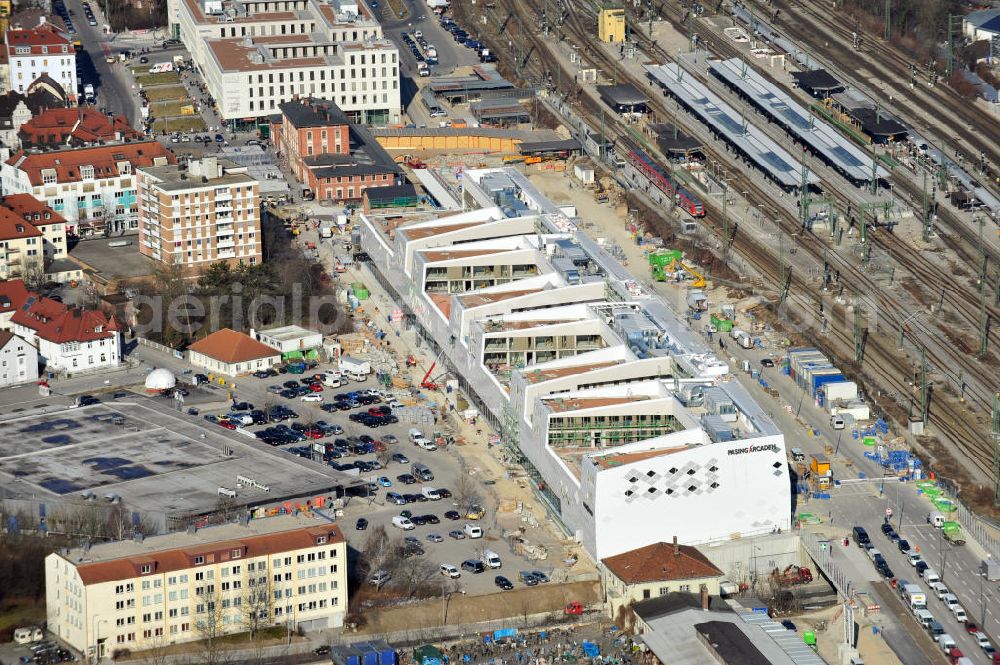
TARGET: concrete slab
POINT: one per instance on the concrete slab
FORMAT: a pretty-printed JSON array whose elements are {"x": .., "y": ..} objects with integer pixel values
[{"x": 112, "y": 262}]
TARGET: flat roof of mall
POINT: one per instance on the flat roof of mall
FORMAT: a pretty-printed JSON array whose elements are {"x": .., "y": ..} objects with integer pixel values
[{"x": 158, "y": 461}]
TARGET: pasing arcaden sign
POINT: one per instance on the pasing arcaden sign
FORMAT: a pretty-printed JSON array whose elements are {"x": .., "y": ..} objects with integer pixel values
[{"x": 770, "y": 447}]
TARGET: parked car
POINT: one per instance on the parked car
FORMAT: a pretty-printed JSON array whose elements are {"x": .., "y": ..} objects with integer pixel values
[
  {"x": 503, "y": 583},
  {"x": 361, "y": 524}
]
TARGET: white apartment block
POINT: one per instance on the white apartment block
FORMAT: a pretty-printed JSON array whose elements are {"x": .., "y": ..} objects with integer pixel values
[
  {"x": 41, "y": 50},
  {"x": 179, "y": 587},
  {"x": 201, "y": 214},
  {"x": 255, "y": 55},
  {"x": 68, "y": 338}
]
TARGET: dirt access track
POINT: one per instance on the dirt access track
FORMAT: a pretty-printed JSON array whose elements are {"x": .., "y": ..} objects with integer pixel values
[{"x": 515, "y": 604}]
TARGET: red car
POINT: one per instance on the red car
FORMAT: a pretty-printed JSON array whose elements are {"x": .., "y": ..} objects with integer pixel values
[
  {"x": 314, "y": 433},
  {"x": 316, "y": 387},
  {"x": 228, "y": 425}
]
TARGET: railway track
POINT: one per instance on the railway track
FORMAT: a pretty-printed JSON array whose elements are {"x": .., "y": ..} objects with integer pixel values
[
  {"x": 894, "y": 372},
  {"x": 804, "y": 22}
]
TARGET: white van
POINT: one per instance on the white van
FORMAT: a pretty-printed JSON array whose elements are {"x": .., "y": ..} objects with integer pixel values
[
  {"x": 946, "y": 642},
  {"x": 471, "y": 530},
  {"x": 930, "y": 576},
  {"x": 415, "y": 434},
  {"x": 425, "y": 444},
  {"x": 923, "y": 617},
  {"x": 356, "y": 376},
  {"x": 959, "y": 612},
  {"x": 431, "y": 493},
  {"x": 402, "y": 522},
  {"x": 491, "y": 559},
  {"x": 951, "y": 600},
  {"x": 935, "y": 518},
  {"x": 939, "y": 590},
  {"x": 837, "y": 422}
]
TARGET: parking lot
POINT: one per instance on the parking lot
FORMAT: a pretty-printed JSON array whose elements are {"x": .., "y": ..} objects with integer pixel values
[{"x": 391, "y": 450}]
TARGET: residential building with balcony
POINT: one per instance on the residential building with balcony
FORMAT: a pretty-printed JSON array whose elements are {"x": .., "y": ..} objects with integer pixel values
[
  {"x": 206, "y": 212},
  {"x": 257, "y": 54},
  {"x": 43, "y": 49},
  {"x": 69, "y": 339},
  {"x": 627, "y": 425},
  {"x": 336, "y": 159},
  {"x": 93, "y": 187},
  {"x": 162, "y": 590}
]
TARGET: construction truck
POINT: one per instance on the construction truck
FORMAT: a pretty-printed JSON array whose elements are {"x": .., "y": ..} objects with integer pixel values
[
  {"x": 822, "y": 474},
  {"x": 792, "y": 575},
  {"x": 666, "y": 261}
]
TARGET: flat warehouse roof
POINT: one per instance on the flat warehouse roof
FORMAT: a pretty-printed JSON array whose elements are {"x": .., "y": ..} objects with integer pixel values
[
  {"x": 821, "y": 137},
  {"x": 759, "y": 147}
]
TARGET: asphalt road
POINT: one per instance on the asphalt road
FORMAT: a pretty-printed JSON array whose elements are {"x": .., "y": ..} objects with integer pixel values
[
  {"x": 863, "y": 503},
  {"x": 110, "y": 82}
]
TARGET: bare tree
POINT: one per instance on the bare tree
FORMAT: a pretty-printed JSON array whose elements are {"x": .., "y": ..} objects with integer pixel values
[
  {"x": 379, "y": 553},
  {"x": 258, "y": 606},
  {"x": 208, "y": 625},
  {"x": 384, "y": 457},
  {"x": 409, "y": 574},
  {"x": 466, "y": 491}
]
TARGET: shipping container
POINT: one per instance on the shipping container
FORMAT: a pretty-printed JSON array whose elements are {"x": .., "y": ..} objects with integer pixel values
[
  {"x": 821, "y": 378},
  {"x": 841, "y": 390}
]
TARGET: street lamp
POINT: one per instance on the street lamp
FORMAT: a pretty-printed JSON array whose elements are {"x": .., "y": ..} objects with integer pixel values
[{"x": 95, "y": 623}]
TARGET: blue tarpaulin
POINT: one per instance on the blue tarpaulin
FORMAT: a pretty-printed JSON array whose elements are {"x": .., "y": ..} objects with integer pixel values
[
  {"x": 504, "y": 633},
  {"x": 591, "y": 650}
]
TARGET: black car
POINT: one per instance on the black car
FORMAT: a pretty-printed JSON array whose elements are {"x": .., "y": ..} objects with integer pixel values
[
  {"x": 444, "y": 493},
  {"x": 473, "y": 566},
  {"x": 886, "y": 528},
  {"x": 201, "y": 378},
  {"x": 259, "y": 417},
  {"x": 419, "y": 520},
  {"x": 324, "y": 650},
  {"x": 329, "y": 408},
  {"x": 453, "y": 515},
  {"x": 242, "y": 406},
  {"x": 406, "y": 479},
  {"x": 361, "y": 524},
  {"x": 903, "y": 545},
  {"x": 430, "y": 519},
  {"x": 503, "y": 583},
  {"x": 119, "y": 395},
  {"x": 290, "y": 384}
]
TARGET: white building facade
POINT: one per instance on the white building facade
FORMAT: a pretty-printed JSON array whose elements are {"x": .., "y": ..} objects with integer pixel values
[
  {"x": 256, "y": 55},
  {"x": 69, "y": 339},
  {"x": 41, "y": 50},
  {"x": 624, "y": 420},
  {"x": 18, "y": 360}
]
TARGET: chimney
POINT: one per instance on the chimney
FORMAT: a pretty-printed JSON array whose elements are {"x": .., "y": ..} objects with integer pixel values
[
  {"x": 41, "y": 20},
  {"x": 677, "y": 548},
  {"x": 704, "y": 597}
]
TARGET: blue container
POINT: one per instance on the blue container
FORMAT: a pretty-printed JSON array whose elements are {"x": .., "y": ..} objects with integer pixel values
[
  {"x": 369, "y": 657},
  {"x": 386, "y": 656}
]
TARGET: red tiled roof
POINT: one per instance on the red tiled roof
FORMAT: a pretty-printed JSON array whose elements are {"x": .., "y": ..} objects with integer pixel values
[
  {"x": 5, "y": 336},
  {"x": 27, "y": 208},
  {"x": 660, "y": 562},
  {"x": 229, "y": 346},
  {"x": 13, "y": 226},
  {"x": 85, "y": 124},
  {"x": 59, "y": 323},
  {"x": 104, "y": 159},
  {"x": 44, "y": 35},
  {"x": 167, "y": 561},
  {"x": 13, "y": 295}
]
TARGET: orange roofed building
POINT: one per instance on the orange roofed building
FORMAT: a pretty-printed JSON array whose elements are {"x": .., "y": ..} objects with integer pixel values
[
  {"x": 656, "y": 570},
  {"x": 142, "y": 593},
  {"x": 32, "y": 235},
  {"x": 78, "y": 126},
  {"x": 232, "y": 353},
  {"x": 94, "y": 188}
]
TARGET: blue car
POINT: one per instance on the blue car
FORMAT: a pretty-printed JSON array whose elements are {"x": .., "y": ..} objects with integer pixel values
[{"x": 384, "y": 482}]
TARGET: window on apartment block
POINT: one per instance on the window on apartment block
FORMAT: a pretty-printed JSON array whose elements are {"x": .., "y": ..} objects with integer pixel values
[
  {"x": 199, "y": 560},
  {"x": 146, "y": 568}
]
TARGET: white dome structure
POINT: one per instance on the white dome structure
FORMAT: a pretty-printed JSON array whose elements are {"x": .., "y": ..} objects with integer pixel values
[{"x": 160, "y": 379}]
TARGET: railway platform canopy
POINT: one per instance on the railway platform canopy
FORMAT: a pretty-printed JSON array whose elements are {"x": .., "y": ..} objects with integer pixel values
[
  {"x": 832, "y": 147},
  {"x": 757, "y": 146},
  {"x": 561, "y": 147},
  {"x": 499, "y": 112},
  {"x": 818, "y": 82},
  {"x": 674, "y": 143},
  {"x": 877, "y": 124},
  {"x": 623, "y": 98}
]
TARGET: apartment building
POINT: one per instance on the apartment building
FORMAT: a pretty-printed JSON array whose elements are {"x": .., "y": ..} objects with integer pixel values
[
  {"x": 625, "y": 422},
  {"x": 43, "y": 49},
  {"x": 206, "y": 212},
  {"x": 256, "y": 55},
  {"x": 32, "y": 235},
  {"x": 68, "y": 338},
  {"x": 13, "y": 295},
  {"x": 179, "y": 587},
  {"x": 334, "y": 158},
  {"x": 93, "y": 188}
]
